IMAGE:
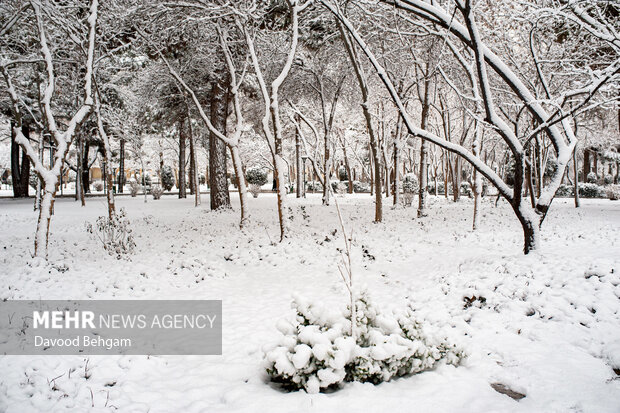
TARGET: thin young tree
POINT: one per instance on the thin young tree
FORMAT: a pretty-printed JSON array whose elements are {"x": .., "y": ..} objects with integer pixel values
[{"x": 62, "y": 139}]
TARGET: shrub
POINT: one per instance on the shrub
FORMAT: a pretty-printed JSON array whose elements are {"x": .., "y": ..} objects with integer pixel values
[
  {"x": 608, "y": 179},
  {"x": 440, "y": 188},
  {"x": 565, "y": 190},
  {"x": 613, "y": 192},
  {"x": 314, "y": 186},
  {"x": 256, "y": 176},
  {"x": 33, "y": 178},
  {"x": 114, "y": 233},
  {"x": 133, "y": 188},
  {"x": 339, "y": 187},
  {"x": 590, "y": 190},
  {"x": 591, "y": 178},
  {"x": 201, "y": 180},
  {"x": 342, "y": 174},
  {"x": 318, "y": 352},
  {"x": 98, "y": 186},
  {"x": 410, "y": 188},
  {"x": 157, "y": 192},
  {"x": 466, "y": 190},
  {"x": 167, "y": 178},
  {"x": 361, "y": 186}
]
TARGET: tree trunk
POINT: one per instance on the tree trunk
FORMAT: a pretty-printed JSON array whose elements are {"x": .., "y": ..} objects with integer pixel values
[
  {"x": 387, "y": 173},
  {"x": 326, "y": 170},
  {"x": 241, "y": 184},
  {"x": 20, "y": 173},
  {"x": 423, "y": 192},
  {"x": 347, "y": 167},
  {"x": 456, "y": 179},
  {"x": 109, "y": 177},
  {"x": 79, "y": 174},
  {"x": 477, "y": 181},
  {"x": 191, "y": 161},
  {"x": 181, "y": 179},
  {"x": 372, "y": 173},
  {"x": 446, "y": 173},
  {"x": 397, "y": 186},
  {"x": 575, "y": 177},
  {"x": 376, "y": 161},
  {"x": 586, "y": 164},
  {"x": 41, "y": 238},
  {"x": 218, "y": 180},
  {"x": 193, "y": 170},
  {"x": 531, "y": 230},
  {"x": 86, "y": 167},
  {"x": 298, "y": 171},
  {"x": 121, "y": 167},
  {"x": 39, "y": 194}
]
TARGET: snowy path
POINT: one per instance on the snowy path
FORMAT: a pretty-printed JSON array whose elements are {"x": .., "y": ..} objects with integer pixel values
[{"x": 548, "y": 327}]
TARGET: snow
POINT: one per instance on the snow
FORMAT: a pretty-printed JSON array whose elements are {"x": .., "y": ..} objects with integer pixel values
[{"x": 545, "y": 325}]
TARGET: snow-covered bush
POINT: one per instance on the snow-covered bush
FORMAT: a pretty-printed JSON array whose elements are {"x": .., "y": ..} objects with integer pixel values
[
  {"x": 157, "y": 192},
  {"x": 98, "y": 186},
  {"x": 339, "y": 187},
  {"x": 342, "y": 174},
  {"x": 133, "y": 188},
  {"x": 608, "y": 179},
  {"x": 33, "y": 179},
  {"x": 613, "y": 192},
  {"x": 466, "y": 189},
  {"x": 590, "y": 190},
  {"x": 440, "y": 188},
  {"x": 410, "y": 188},
  {"x": 114, "y": 233},
  {"x": 565, "y": 190},
  {"x": 317, "y": 350},
  {"x": 591, "y": 178},
  {"x": 361, "y": 186},
  {"x": 167, "y": 178},
  {"x": 256, "y": 176},
  {"x": 314, "y": 186}
]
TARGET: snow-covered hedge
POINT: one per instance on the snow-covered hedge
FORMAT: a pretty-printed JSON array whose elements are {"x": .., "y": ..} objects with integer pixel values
[
  {"x": 359, "y": 186},
  {"x": 339, "y": 187},
  {"x": 317, "y": 350},
  {"x": 314, "y": 186},
  {"x": 586, "y": 190},
  {"x": 613, "y": 192}
]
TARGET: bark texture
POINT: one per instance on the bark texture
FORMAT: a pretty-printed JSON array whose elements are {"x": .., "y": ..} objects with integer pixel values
[
  {"x": 20, "y": 171},
  {"x": 181, "y": 178},
  {"x": 218, "y": 181}
]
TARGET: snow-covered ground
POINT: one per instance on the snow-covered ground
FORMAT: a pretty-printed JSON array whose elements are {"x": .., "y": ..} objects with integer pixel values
[{"x": 545, "y": 325}]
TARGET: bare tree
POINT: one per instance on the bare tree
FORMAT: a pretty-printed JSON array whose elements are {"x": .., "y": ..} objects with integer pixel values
[
  {"x": 50, "y": 176},
  {"x": 552, "y": 121}
]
